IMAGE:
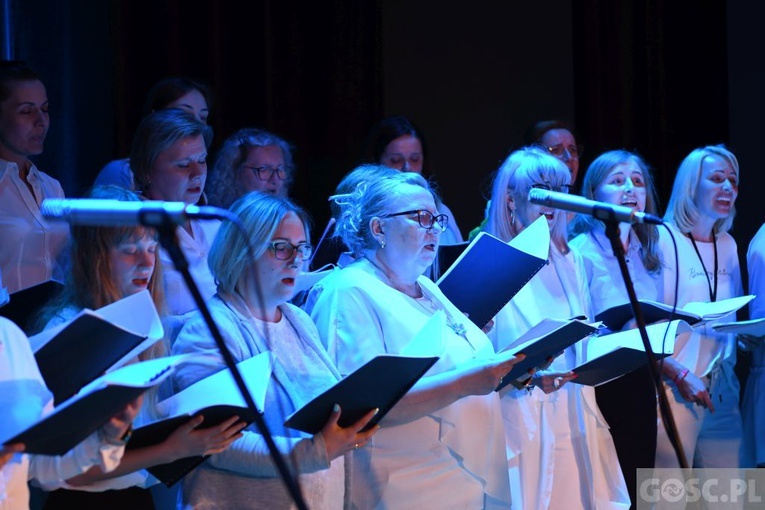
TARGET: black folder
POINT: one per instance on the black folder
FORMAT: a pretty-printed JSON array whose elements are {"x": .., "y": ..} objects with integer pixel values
[
  {"x": 88, "y": 346},
  {"x": 74, "y": 420},
  {"x": 25, "y": 304},
  {"x": 547, "y": 339},
  {"x": 380, "y": 383},
  {"x": 487, "y": 275}
]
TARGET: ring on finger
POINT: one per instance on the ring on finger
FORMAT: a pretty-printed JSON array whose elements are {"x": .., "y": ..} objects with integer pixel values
[{"x": 557, "y": 382}]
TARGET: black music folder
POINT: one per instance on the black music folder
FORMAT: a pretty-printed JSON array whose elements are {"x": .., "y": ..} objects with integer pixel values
[
  {"x": 544, "y": 341},
  {"x": 75, "y": 353},
  {"x": 378, "y": 384},
  {"x": 74, "y": 420},
  {"x": 487, "y": 275}
]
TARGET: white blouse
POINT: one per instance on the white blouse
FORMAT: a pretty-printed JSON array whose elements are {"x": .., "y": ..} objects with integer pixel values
[{"x": 32, "y": 250}]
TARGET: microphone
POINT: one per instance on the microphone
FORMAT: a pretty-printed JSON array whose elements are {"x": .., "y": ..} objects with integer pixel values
[
  {"x": 115, "y": 213},
  {"x": 600, "y": 210}
]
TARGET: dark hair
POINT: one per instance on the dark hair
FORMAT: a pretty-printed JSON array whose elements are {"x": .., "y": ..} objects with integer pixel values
[
  {"x": 387, "y": 130},
  {"x": 14, "y": 71},
  {"x": 535, "y": 133},
  {"x": 167, "y": 90}
]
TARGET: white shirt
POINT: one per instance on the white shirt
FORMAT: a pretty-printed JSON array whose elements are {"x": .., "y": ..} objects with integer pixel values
[
  {"x": 24, "y": 398},
  {"x": 31, "y": 248},
  {"x": 196, "y": 248},
  {"x": 607, "y": 287},
  {"x": 703, "y": 349}
]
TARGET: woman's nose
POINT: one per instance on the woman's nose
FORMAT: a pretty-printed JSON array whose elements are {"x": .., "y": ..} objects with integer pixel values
[{"x": 146, "y": 258}]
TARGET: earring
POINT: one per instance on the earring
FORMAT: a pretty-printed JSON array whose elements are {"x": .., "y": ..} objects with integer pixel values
[
  {"x": 382, "y": 243},
  {"x": 512, "y": 217}
]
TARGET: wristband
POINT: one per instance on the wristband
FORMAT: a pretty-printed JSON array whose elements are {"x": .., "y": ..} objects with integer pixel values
[{"x": 679, "y": 377}]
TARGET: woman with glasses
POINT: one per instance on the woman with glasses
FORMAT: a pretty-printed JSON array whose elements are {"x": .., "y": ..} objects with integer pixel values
[
  {"x": 623, "y": 178},
  {"x": 251, "y": 160},
  {"x": 169, "y": 160},
  {"x": 557, "y": 138},
  {"x": 559, "y": 451},
  {"x": 442, "y": 446},
  {"x": 252, "y": 311}
]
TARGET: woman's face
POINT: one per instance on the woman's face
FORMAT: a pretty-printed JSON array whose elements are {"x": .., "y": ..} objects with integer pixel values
[
  {"x": 403, "y": 153},
  {"x": 194, "y": 103},
  {"x": 269, "y": 158},
  {"x": 24, "y": 121},
  {"x": 562, "y": 144},
  {"x": 717, "y": 189},
  {"x": 277, "y": 277},
  {"x": 180, "y": 172},
  {"x": 410, "y": 249},
  {"x": 132, "y": 263},
  {"x": 526, "y": 212},
  {"x": 623, "y": 185}
]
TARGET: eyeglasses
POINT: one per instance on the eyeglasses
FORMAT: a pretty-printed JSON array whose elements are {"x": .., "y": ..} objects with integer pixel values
[
  {"x": 574, "y": 151},
  {"x": 284, "y": 250},
  {"x": 426, "y": 219},
  {"x": 264, "y": 173},
  {"x": 564, "y": 188}
]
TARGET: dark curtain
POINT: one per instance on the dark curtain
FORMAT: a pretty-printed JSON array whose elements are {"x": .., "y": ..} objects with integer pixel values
[
  {"x": 308, "y": 71},
  {"x": 651, "y": 76}
]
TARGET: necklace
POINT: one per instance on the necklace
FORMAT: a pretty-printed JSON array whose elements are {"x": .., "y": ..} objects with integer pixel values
[
  {"x": 712, "y": 291},
  {"x": 431, "y": 307}
]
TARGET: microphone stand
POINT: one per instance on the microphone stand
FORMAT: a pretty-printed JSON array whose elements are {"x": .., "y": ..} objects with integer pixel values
[
  {"x": 608, "y": 217},
  {"x": 169, "y": 240}
]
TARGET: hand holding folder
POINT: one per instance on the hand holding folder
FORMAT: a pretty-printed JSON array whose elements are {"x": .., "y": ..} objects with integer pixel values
[{"x": 81, "y": 415}]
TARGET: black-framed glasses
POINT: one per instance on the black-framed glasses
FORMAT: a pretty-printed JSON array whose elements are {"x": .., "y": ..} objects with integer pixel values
[
  {"x": 426, "y": 219},
  {"x": 564, "y": 188},
  {"x": 264, "y": 173},
  {"x": 560, "y": 150},
  {"x": 284, "y": 250}
]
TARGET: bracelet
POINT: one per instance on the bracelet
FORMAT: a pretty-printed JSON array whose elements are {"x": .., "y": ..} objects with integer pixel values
[{"x": 679, "y": 377}]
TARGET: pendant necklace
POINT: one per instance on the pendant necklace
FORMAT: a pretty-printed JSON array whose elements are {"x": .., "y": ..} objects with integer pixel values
[{"x": 431, "y": 308}]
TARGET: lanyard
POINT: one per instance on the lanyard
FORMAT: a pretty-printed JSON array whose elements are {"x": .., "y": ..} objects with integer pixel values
[{"x": 712, "y": 292}]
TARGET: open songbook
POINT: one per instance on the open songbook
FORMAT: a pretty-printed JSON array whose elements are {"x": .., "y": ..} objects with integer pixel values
[
  {"x": 693, "y": 313},
  {"x": 611, "y": 356},
  {"x": 217, "y": 398},
  {"x": 490, "y": 272},
  {"x": 545, "y": 341},
  {"x": 753, "y": 327},
  {"x": 93, "y": 342},
  {"x": 378, "y": 384},
  {"x": 81, "y": 415}
]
